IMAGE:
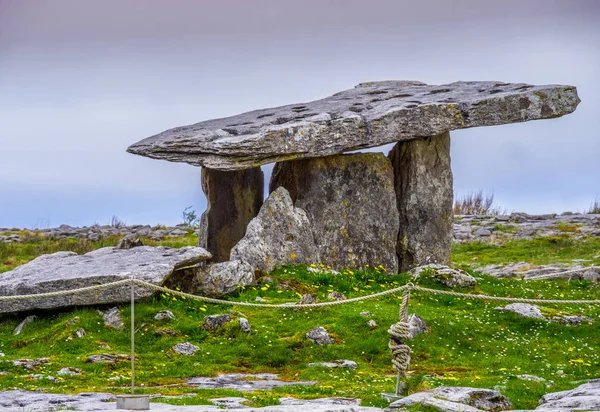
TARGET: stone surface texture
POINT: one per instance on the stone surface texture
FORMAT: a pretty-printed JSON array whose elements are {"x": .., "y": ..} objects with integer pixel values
[
  {"x": 524, "y": 309},
  {"x": 244, "y": 382},
  {"x": 280, "y": 234},
  {"x": 369, "y": 115},
  {"x": 456, "y": 399},
  {"x": 233, "y": 200},
  {"x": 186, "y": 349},
  {"x": 320, "y": 336},
  {"x": 351, "y": 205},
  {"x": 68, "y": 270},
  {"x": 424, "y": 194},
  {"x": 445, "y": 275},
  {"x": 219, "y": 279},
  {"x": 417, "y": 325}
]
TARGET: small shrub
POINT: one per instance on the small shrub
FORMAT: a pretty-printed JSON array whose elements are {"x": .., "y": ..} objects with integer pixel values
[
  {"x": 190, "y": 217},
  {"x": 476, "y": 203},
  {"x": 595, "y": 207},
  {"x": 117, "y": 223}
]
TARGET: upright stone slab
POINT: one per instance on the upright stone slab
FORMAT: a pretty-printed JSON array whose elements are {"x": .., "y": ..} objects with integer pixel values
[
  {"x": 233, "y": 200},
  {"x": 423, "y": 181},
  {"x": 351, "y": 204}
]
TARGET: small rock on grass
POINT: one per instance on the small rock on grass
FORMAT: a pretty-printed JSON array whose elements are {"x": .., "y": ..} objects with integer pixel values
[
  {"x": 112, "y": 318},
  {"x": 69, "y": 371},
  {"x": 212, "y": 322},
  {"x": 108, "y": 358},
  {"x": 342, "y": 363},
  {"x": 524, "y": 309},
  {"x": 164, "y": 315},
  {"x": 417, "y": 325},
  {"x": 372, "y": 323},
  {"x": 320, "y": 336},
  {"x": 186, "y": 349},
  {"x": 307, "y": 299},
  {"x": 336, "y": 296},
  {"x": 244, "y": 325},
  {"x": 445, "y": 275},
  {"x": 22, "y": 325}
]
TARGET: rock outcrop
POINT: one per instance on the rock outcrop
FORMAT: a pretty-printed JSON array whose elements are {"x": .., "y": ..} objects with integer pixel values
[
  {"x": 369, "y": 115},
  {"x": 424, "y": 194},
  {"x": 351, "y": 205},
  {"x": 63, "y": 271},
  {"x": 280, "y": 234},
  {"x": 233, "y": 200}
]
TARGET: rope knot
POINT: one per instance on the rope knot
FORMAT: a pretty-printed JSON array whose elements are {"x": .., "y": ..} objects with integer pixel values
[{"x": 399, "y": 332}]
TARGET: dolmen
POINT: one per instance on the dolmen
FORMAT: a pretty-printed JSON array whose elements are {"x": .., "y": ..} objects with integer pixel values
[{"x": 345, "y": 210}]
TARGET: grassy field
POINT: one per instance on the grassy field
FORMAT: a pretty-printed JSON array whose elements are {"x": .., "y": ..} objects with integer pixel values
[{"x": 469, "y": 344}]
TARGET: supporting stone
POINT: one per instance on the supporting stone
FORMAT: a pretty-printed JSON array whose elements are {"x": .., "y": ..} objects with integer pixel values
[
  {"x": 233, "y": 200},
  {"x": 423, "y": 181},
  {"x": 351, "y": 204}
]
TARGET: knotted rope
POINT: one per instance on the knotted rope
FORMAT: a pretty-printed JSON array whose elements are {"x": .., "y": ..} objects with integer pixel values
[{"x": 399, "y": 333}]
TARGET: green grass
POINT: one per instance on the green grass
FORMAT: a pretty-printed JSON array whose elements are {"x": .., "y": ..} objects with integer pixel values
[
  {"x": 538, "y": 251},
  {"x": 470, "y": 343}
]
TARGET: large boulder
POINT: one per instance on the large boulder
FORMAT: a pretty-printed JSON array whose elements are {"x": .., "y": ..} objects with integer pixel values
[
  {"x": 233, "y": 200},
  {"x": 371, "y": 114},
  {"x": 280, "y": 234},
  {"x": 222, "y": 278},
  {"x": 63, "y": 271},
  {"x": 351, "y": 205},
  {"x": 423, "y": 181}
]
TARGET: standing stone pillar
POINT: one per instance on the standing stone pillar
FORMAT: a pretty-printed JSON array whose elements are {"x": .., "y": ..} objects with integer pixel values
[
  {"x": 351, "y": 205},
  {"x": 424, "y": 193},
  {"x": 233, "y": 199}
]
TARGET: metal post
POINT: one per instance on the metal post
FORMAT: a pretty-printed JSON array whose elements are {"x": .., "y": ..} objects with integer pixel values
[{"x": 132, "y": 337}]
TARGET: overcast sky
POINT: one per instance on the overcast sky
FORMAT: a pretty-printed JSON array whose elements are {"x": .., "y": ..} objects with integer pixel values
[{"x": 81, "y": 80}]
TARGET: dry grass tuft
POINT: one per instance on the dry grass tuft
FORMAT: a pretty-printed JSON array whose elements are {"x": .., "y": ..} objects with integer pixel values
[{"x": 476, "y": 203}]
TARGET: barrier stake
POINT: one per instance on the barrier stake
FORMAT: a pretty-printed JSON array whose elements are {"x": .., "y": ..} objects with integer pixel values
[{"x": 132, "y": 336}]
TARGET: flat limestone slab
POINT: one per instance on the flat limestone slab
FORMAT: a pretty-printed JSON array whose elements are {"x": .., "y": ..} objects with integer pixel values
[
  {"x": 372, "y": 114},
  {"x": 68, "y": 270}
]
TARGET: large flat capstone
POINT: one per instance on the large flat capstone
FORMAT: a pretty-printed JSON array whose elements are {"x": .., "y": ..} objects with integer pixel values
[
  {"x": 369, "y": 115},
  {"x": 67, "y": 270}
]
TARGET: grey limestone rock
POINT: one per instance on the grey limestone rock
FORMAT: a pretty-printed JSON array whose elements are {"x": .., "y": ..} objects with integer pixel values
[
  {"x": 66, "y": 270},
  {"x": 244, "y": 325},
  {"x": 108, "y": 358},
  {"x": 524, "y": 309},
  {"x": 129, "y": 242},
  {"x": 280, "y": 234},
  {"x": 222, "y": 278},
  {"x": 164, "y": 315},
  {"x": 244, "y": 382},
  {"x": 351, "y": 204},
  {"x": 24, "y": 323},
  {"x": 186, "y": 349},
  {"x": 233, "y": 200},
  {"x": 585, "y": 397},
  {"x": 457, "y": 399},
  {"x": 417, "y": 325},
  {"x": 424, "y": 194},
  {"x": 30, "y": 364},
  {"x": 342, "y": 363},
  {"x": 68, "y": 371},
  {"x": 212, "y": 322},
  {"x": 112, "y": 318},
  {"x": 320, "y": 336},
  {"x": 369, "y": 115},
  {"x": 445, "y": 275}
]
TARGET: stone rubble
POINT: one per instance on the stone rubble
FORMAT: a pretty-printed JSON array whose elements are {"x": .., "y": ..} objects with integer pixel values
[
  {"x": 112, "y": 318},
  {"x": 320, "y": 336},
  {"x": 445, "y": 275},
  {"x": 342, "y": 363},
  {"x": 186, "y": 349}
]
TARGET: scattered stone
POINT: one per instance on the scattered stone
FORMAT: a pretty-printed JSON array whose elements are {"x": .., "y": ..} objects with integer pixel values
[
  {"x": 365, "y": 314},
  {"x": 108, "y": 358},
  {"x": 164, "y": 315},
  {"x": 72, "y": 321},
  {"x": 24, "y": 323},
  {"x": 423, "y": 190},
  {"x": 222, "y": 278},
  {"x": 372, "y": 324},
  {"x": 165, "y": 332},
  {"x": 417, "y": 325},
  {"x": 482, "y": 232},
  {"x": 80, "y": 333},
  {"x": 532, "y": 378},
  {"x": 573, "y": 320},
  {"x": 244, "y": 382},
  {"x": 30, "y": 364},
  {"x": 112, "y": 318},
  {"x": 129, "y": 242},
  {"x": 280, "y": 234},
  {"x": 212, "y": 322},
  {"x": 104, "y": 345},
  {"x": 308, "y": 299},
  {"x": 320, "y": 336},
  {"x": 186, "y": 349},
  {"x": 244, "y": 325},
  {"x": 455, "y": 399},
  {"x": 337, "y": 364},
  {"x": 231, "y": 403},
  {"x": 445, "y": 275},
  {"x": 69, "y": 371},
  {"x": 524, "y": 309},
  {"x": 369, "y": 115},
  {"x": 260, "y": 300},
  {"x": 593, "y": 275},
  {"x": 336, "y": 296},
  {"x": 68, "y": 270},
  {"x": 233, "y": 200},
  {"x": 337, "y": 194},
  {"x": 585, "y": 397}
]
